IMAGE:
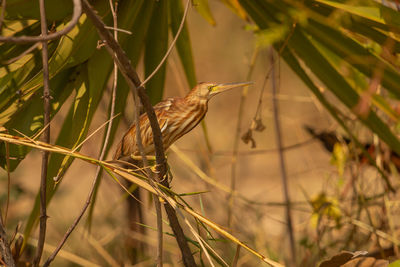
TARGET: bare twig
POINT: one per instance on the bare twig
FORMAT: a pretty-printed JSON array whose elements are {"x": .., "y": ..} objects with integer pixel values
[
  {"x": 46, "y": 136},
  {"x": 170, "y": 47},
  {"x": 278, "y": 136},
  {"x": 8, "y": 181},
  {"x": 157, "y": 203},
  {"x": 127, "y": 174},
  {"x": 5, "y": 251},
  {"x": 140, "y": 145},
  {"x": 77, "y": 11},
  {"x": 3, "y": 10},
  {"x": 133, "y": 81},
  {"x": 101, "y": 157},
  {"x": 118, "y": 30},
  {"x": 236, "y": 258},
  {"x": 235, "y": 152}
]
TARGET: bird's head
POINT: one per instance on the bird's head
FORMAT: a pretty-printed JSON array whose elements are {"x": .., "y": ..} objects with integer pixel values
[{"x": 208, "y": 90}]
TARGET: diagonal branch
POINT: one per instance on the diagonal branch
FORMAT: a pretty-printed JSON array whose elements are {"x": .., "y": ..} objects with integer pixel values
[{"x": 133, "y": 81}]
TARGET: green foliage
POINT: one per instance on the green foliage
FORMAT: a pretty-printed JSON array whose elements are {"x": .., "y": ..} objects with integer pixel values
[
  {"x": 77, "y": 68},
  {"x": 345, "y": 45},
  {"x": 324, "y": 46}
]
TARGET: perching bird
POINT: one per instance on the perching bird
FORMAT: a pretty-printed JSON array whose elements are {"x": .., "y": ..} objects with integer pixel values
[{"x": 176, "y": 117}]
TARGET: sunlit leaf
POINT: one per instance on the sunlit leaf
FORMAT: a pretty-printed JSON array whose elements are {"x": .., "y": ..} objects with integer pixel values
[
  {"x": 204, "y": 10},
  {"x": 156, "y": 47},
  {"x": 183, "y": 44}
]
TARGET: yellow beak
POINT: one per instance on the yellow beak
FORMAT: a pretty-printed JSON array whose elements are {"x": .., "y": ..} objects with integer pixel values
[{"x": 227, "y": 86}]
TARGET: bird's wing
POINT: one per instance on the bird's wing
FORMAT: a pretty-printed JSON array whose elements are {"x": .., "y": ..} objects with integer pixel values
[
  {"x": 164, "y": 105},
  {"x": 128, "y": 145}
]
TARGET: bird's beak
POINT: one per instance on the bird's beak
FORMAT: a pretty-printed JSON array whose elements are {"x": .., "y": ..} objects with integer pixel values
[{"x": 227, "y": 86}]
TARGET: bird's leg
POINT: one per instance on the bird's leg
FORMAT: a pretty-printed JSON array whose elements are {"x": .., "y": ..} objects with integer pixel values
[
  {"x": 152, "y": 162},
  {"x": 168, "y": 174}
]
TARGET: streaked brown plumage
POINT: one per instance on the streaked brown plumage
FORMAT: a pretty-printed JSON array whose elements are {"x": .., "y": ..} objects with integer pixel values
[{"x": 176, "y": 117}]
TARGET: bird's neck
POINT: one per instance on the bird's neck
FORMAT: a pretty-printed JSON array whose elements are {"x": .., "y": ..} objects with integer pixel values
[{"x": 196, "y": 100}]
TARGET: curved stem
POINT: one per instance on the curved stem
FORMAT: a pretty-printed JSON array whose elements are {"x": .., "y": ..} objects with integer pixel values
[{"x": 33, "y": 39}]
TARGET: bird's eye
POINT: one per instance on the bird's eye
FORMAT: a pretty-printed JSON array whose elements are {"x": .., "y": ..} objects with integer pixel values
[{"x": 210, "y": 87}]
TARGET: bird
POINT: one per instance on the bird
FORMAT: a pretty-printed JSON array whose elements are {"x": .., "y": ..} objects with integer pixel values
[{"x": 176, "y": 116}]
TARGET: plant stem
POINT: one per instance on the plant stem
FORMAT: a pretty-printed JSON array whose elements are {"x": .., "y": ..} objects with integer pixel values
[
  {"x": 46, "y": 137},
  {"x": 278, "y": 136}
]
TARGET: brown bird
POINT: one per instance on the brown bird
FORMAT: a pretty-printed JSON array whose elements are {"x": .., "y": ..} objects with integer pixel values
[{"x": 176, "y": 117}]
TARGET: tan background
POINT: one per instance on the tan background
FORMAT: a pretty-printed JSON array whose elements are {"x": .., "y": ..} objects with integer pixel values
[{"x": 222, "y": 54}]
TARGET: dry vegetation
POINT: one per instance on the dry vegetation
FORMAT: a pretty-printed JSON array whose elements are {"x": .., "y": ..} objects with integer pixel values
[{"x": 338, "y": 201}]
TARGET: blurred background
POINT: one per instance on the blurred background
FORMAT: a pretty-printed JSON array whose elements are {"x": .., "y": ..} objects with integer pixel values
[{"x": 222, "y": 53}]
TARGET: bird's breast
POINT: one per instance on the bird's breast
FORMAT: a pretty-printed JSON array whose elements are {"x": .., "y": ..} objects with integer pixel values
[{"x": 183, "y": 121}]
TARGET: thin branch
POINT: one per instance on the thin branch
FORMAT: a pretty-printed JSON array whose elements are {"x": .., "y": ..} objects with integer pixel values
[
  {"x": 170, "y": 47},
  {"x": 129, "y": 175},
  {"x": 101, "y": 157},
  {"x": 3, "y": 10},
  {"x": 46, "y": 137},
  {"x": 133, "y": 81},
  {"x": 235, "y": 152},
  {"x": 118, "y": 30},
  {"x": 157, "y": 203},
  {"x": 8, "y": 181},
  {"x": 278, "y": 136},
  {"x": 77, "y": 11},
  {"x": 5, "y": 251}
]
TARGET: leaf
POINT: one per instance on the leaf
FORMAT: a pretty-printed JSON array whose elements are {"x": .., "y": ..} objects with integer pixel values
[
  {"x": 236, "y": 8},
  {"x": 295, "y": 66},
  {"x": 28, "y": 9},
  {"x": 29, "y": 119},
  {"x": 73, "y": 48},
  {"x": 156, "y": 47},
  {"x": 370, "y": 10},
  {"x": 339, "y": 157},
  {"x": 355, "y": 55},
  {"x": 183, "y": 44},
  {"x": 204, "y": 10},
  {"x": 337, "y": 85},
  {"x": 137, "y": 20},
  {"x": 356, "y": 259},
  {"x": 76, "y": 125}
]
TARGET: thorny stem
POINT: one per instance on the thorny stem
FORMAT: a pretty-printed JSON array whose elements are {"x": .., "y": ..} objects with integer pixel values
[
  {"x": 235, "y": 152},
  {"x": 278, "y": 136},
  {"x": 46, "y": 137},
  {"x": 77, "y": 11}
]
